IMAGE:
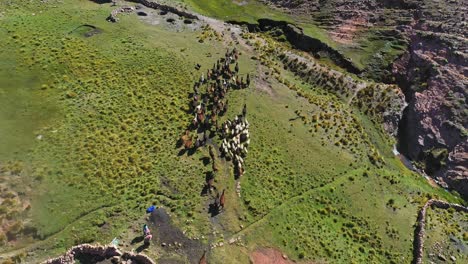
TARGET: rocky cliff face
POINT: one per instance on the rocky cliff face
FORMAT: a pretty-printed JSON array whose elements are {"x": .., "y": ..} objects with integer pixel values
[
  {"x": 432, "y": 72},
  {"x": 344, "y": 19}
]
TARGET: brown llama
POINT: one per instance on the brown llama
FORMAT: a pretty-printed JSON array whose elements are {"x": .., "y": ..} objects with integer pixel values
[{"x": 222, "y": 200}]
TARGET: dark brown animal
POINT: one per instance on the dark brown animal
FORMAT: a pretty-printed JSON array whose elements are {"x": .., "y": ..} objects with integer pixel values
[
  {"x": 222, "y": 200},
  {"x": 226, "y": 106},
  {"x": 213, "y": 118},
  {"x": 203, "y": 258},
  {"x": 201, "y": 117},
  {"x": 214, "y": 167}
]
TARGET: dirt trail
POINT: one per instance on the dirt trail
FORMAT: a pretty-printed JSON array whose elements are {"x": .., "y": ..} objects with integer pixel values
[
  {"x": 269, "y": 256},
  {"x": 172, "y": 238},
  {"x": 36, "y": 245}
]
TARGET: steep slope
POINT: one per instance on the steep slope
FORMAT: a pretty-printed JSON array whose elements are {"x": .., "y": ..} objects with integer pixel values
[
  {"x": 431, "y": 72},
  {"x": 320, "y": 183}
]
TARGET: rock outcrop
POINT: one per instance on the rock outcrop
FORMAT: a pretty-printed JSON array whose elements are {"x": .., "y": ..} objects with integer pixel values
[
  {"x": 101, "y": 253},
  {"x": 433, "y": 74},
  {"x": 166, "y": 8},
  {"x": 154, "y": 5},
  {"x": 124, "y": 9}
]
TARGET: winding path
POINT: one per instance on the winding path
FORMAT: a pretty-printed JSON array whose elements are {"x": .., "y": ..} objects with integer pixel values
[{"x": 32, "y": 247}]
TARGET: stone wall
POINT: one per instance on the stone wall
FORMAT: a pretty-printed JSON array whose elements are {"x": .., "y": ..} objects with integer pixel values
[
  {"x": 166, "y": 8},
  {"x": 124, "y": 9},
  {"x": 150, "y": 4},
  {"x": 420, "y": 231}
]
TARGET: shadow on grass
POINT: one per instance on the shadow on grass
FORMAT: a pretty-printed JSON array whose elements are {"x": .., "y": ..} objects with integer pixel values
[
  {"x": 179, "y": 143},
  {"x": 206, "y": 190},
  {"x": 213, "y": 210},
  {"x": 142, "y": 247},
  {"x": 205, "y": 160},
  {"x": 191, "y": 151},
  {"x": 137, "y": 239}
]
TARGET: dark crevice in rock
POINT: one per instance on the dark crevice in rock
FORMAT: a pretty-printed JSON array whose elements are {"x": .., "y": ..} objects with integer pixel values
[
  {"x": 301, "y": 41},
  {"x": 402, "y": 134}
]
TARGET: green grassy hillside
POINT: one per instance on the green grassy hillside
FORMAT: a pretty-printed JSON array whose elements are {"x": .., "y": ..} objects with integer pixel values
[
  {"x": 370, "y": 50},
  {"x": 91, "y": 123}
]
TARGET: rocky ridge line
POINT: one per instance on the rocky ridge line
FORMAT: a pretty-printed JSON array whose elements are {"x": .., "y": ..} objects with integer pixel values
[{"x": 382, "y": 101}]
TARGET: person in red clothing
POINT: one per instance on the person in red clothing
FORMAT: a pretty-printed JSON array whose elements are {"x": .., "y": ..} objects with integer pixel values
[{"x": 147, "y": 234}]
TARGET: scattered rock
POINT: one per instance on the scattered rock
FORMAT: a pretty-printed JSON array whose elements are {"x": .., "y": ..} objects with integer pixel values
[
  {"x": 98, "y": 251},
  {"x": 442, "y": 257}
]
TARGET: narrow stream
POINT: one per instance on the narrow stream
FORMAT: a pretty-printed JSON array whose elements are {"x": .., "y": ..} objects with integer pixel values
[{"x": 407, "y": 162}]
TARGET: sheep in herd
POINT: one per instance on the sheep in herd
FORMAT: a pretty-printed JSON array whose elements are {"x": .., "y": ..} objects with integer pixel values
[
  {"x": 208, "y": 102},
  {"x": 236, "y": 139}
]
